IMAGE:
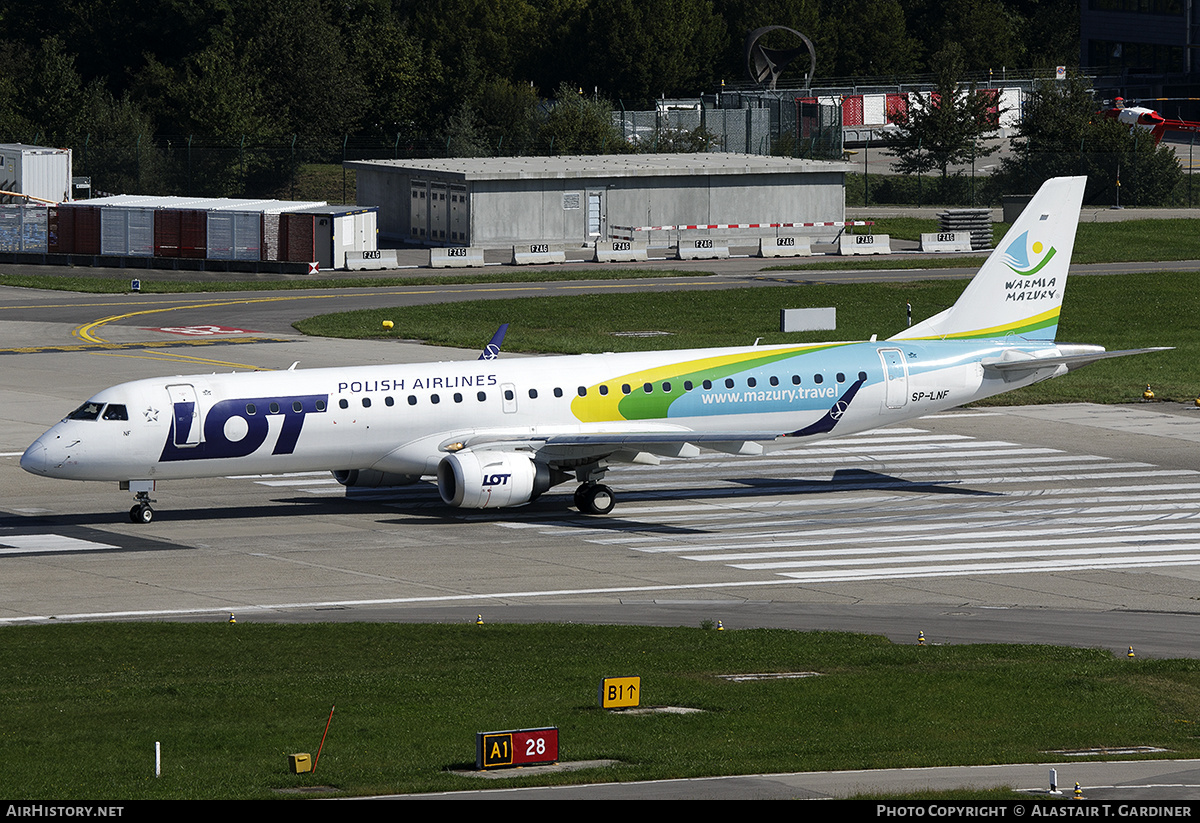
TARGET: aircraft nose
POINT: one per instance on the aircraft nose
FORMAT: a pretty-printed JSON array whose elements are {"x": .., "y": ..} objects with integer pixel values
[{"x": 34, "y": 459}]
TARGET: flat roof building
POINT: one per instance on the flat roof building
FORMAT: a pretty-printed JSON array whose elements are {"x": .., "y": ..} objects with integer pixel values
[{"x": 493, "y": 202}]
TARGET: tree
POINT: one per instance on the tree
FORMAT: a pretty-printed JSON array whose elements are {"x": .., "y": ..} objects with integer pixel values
[
  {"x": 639, "y": 50},
  {"x": 945, "y": 127},
  {"x": 871, "y": 40},
  {"x": 1060, "y": 134},
  {"x": 579, "y": 125}
]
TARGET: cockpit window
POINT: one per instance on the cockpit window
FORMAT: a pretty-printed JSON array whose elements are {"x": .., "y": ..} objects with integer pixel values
[
  {"x": 88, "y": 411},
  {"x": 115, "y": 411}
]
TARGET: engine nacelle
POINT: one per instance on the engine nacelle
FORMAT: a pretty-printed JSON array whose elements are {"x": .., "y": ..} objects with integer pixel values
[
  {"x": 492, "y": 480},
  {"x": 370, "y": 478}
]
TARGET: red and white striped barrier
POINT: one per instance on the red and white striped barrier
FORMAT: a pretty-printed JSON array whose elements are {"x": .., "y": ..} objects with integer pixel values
[{"x": 833, "y": 224}]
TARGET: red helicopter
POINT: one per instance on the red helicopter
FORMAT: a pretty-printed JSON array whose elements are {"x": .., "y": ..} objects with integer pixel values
[{"x": 1146, "y": 119}]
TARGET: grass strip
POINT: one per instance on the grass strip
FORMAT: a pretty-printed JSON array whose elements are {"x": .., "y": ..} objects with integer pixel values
[{"x": 85, "y": 703}]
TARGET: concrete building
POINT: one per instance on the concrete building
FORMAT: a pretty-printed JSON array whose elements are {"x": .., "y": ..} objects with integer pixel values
[{"x": 494, "y": 202}]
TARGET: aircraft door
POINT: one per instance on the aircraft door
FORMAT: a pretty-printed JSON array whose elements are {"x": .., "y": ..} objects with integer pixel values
[
  {"x": 895, "y": 371},
  {"x": 185, "y": 415},
  {"x": 509, "y": 394}
]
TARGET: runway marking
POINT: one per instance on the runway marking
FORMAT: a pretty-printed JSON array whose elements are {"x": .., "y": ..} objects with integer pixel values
[
  {"x": 104, "y": 346},
  {"x": 11, "y": 544}
]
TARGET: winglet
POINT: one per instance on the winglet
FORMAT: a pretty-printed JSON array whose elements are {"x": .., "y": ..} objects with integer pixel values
[{"x": 492, "y": 350}]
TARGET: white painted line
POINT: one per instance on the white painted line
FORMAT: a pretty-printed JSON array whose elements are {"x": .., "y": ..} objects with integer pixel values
[
  {"x": 931, "y": 545},
  {"x": 1013, "y": 568},
  {"x": 14, "y": 544},
  {"x": 1037, "y": 550}
]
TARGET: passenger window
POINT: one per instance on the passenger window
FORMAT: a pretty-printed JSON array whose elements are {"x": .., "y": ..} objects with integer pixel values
[
  {"x": 795, "y": 380},
  {"x": 666, "y": 387},
  {"x": 707, "y": 384},
  {"x": 482, "y": 396},
  {"x": 366, "y": 402},
  {"x": 434, "y": 399},
  {"x": 604, "y": 391},
  {"x": 558, "y": 392},
  {"x": 343, "y": 403},
  {"x": 457, "y": 397},
  {"x": 625, "y": 388},
  {"x": 751, "y": 382},
  {"x": 817, "y": 378},
  {"x": 862, "y": 375},
  {"x": 274, "y": 408},
  {"x": 321, "y": 404},
  {"x": 729, "y": 382},
  {"x": 412, "y": 400},
  {"x": 387, "y": 401},
  {"x": 647, "y": 388},
  {"x": 508, "y": 394},
  {"x": 582, "y": 390},
  {"x": 297, "y": 407},
  {"x": 115, "y": 411},
  {"x": 841, "y": 378},
  {"x": 774, "y": 380},
  {"x": 533, "y": 394},
  {"x": 250, "y": 409},
  {"x": 688, "y": 385}
]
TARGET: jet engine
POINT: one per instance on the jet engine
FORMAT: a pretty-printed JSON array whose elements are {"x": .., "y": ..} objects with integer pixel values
[
  {"x": 493, "y": 480},
  {"x": 370, "y": 478}
]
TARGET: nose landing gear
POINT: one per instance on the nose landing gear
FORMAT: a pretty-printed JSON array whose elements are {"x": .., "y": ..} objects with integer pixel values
[{"x": 141, "y": 511}]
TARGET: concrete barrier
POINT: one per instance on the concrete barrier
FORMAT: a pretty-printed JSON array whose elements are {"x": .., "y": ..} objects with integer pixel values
[
  {"x": 865, "y": 244},
  {"x": 531, "y": 254},
  {"x": 620, "y": 251},
  {"x": 702, "y": 248},
  {"x": 785, "y": 246},
  {"x": 455, "y": 257},
  {"x": 367, "y": 260},
  {"x": 942, "y": 241}
]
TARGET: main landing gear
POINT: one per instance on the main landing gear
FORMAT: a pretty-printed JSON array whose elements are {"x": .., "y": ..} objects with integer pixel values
[
  {"x": 141, "y": 511},
  {"x": 594, "y": 498}
]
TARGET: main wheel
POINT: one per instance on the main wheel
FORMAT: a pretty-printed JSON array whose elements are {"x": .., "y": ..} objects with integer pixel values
[{"x": 595, "y": 499}]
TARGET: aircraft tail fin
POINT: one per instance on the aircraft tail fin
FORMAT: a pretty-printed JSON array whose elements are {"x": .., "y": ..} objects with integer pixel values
[{"x": 1018, "y": 291}]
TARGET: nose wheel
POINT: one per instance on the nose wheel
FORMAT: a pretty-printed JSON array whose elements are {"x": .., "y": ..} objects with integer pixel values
[
  {"x": 594, "y": 498},
  {"x": 141, "y": 511}
]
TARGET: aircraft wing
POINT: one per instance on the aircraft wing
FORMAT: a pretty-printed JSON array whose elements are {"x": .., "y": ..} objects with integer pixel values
[{"x": 564, "y": 447}]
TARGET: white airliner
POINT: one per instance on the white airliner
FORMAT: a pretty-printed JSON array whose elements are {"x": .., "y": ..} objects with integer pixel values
[{"x": 501, "y": 432}]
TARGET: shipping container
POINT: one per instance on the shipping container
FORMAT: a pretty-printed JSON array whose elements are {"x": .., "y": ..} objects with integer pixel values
[
  {"x": 23, "y": 228},
  {"x": 127, "y": 231},
  {"x": 41, "y": 172},
  {"x": 331, "y": 231},
  {"x": 180, "y": 233},
  {"x": 73, "y": 229}
]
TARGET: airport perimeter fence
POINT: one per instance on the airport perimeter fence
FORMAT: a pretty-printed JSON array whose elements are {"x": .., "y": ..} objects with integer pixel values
[
  {"x": 790, "y": 128},
  {"x": 1114, "y": 178}
]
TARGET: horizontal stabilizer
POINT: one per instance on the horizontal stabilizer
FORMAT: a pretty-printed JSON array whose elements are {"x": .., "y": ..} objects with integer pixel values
[{"x": 1025, "y": 362}]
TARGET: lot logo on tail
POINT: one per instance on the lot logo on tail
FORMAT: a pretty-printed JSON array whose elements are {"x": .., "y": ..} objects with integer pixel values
[{"x": 1027, "y": 260}]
